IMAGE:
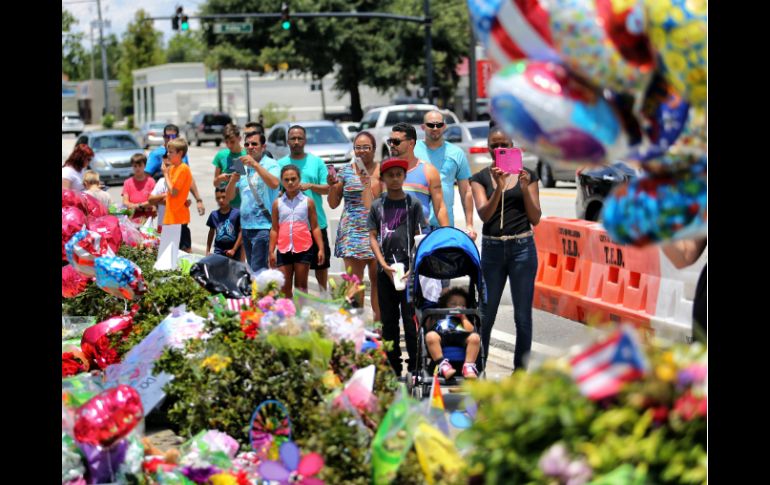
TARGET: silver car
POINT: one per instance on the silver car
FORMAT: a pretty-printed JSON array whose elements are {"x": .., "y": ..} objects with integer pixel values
[
  {"x": 472, "y": 138},
  {"x": 71, "y": 123},
  {"x": 151, "y": 133},
  {"x": 112, "y": 154},
  {"x": 324, "y": 140},
  {"x": 349, "y": 128}
]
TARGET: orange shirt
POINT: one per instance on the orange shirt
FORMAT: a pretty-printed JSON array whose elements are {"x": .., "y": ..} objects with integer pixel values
[{"x": 180, "y": 178}]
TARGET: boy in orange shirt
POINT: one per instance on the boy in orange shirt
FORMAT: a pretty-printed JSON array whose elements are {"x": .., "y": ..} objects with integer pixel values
[{"x": 178, "y": 178}]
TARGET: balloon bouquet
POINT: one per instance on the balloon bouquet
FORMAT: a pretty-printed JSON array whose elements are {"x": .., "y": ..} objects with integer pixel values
[{"x": 593, "y": 81}]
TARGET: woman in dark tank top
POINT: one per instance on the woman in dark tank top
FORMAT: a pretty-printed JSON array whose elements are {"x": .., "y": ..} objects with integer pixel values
[{"x": 509, "y": 205}]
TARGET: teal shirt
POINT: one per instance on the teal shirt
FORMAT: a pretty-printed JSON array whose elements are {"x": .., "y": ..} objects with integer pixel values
[
  {"x": 313, "y": 171},
  {"x": 224, "y": 160},
  {"x": 251, "y": 216},
  {"x": 452, "y": 164}
]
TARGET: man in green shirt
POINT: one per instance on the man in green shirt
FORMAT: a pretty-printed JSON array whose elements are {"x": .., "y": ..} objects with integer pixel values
[
  {"x": 224, "y": 159},
  {"x": 313, "y": 178}
]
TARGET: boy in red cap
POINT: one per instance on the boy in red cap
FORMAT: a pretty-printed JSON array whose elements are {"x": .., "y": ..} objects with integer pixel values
[{"x": 394, "y": 219}]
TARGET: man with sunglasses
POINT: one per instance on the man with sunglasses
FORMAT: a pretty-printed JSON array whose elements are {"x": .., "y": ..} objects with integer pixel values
[
  {"x": 253, "y": 127},
  {"x": 155, "y": 163},
  {"x": 258, "y": 188},
  {"x": 422, "y": 179},
  {"x": 452, "y": 165}
]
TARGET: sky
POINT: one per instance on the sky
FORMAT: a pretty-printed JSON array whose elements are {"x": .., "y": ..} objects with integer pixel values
[{"x": 121, "y": 12}]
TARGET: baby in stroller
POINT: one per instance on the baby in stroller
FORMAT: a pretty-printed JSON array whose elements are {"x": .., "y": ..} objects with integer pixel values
[{"x": 455, "y": 330}]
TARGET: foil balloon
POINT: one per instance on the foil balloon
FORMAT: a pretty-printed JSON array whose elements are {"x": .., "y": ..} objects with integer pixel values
[
  {"x": 119, "y": 277},
  {"x": 513, "y": 30},
  {"x": 109, "y": 416},
  {"x": 70, "y": 198},
  {"x": 83, "y": 249},
  {"x": 653, "y": 209},
  {"x": 584, "y": 46},
  {"x": 678, "y": 32},
  {"x": 72, "y": 282},
  {"x": 109, "y": 228},
  {"x": 625, "y": 24},
  {"x": 556, "y": 115},
  {"x": 94, "y": 207},
  {"x": 95, "y": 342},
  {"x": 103, "y": 463},
  {"x": 72, "y": 221}
]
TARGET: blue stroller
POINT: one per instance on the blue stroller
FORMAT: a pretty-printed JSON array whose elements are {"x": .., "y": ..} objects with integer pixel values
[{"x": 445, "y": 253}]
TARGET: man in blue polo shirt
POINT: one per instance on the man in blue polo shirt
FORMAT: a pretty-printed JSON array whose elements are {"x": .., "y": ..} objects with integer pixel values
[
  {"x": 155, "y": 162},
  {"x": 452, "y": 165}
]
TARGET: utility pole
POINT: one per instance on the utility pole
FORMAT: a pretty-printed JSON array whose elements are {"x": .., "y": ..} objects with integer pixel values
[
  {"x": 428, "y": 52},
  {"x": 93, "y": 67},
  {"x": 104, "y": 58},
  {"x": 472, "y": 78},
  {"x": 219, "y": 90},
  {"x": 323, "y": 100},
  {"x": 248, "y": 98}
]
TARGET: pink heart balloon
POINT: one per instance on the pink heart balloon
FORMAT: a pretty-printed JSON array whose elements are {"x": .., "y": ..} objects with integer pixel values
[{"x": 108, "y": 416}]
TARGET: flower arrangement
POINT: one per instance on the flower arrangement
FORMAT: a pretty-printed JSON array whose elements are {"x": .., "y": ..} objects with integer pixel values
[{"x": 538, "y": 427}]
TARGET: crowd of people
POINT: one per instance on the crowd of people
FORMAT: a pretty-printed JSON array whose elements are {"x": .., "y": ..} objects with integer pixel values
[{"x": 270, "y": 214}]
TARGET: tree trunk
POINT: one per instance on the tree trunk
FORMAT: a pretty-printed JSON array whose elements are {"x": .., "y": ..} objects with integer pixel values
[{"x": 355, "y": 102}]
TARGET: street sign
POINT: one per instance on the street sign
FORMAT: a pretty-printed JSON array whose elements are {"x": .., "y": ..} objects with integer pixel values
[{"x": 234, "y": 28}]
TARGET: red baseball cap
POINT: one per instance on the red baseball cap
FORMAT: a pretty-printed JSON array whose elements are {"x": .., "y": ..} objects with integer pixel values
[{"x": 393, "y": 162}]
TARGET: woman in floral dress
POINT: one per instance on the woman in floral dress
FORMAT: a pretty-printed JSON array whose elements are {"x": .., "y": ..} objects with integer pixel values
[{"x": 358, "y": 189}]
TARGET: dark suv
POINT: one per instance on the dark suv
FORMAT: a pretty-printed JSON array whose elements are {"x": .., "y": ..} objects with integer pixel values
[{"x": 207, "y": 127}]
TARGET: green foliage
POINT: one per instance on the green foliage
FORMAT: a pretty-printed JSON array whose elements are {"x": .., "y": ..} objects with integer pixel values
[
  {"x": 141, "y": 47},
  {"x": 130, "y": 122},
  {"x": 523, "y": 416},
  {"x": 186, "y": 47},
  {"x": 108, "y": 121},
  {"x": 384, "y": 54},
  {"x": 112, "y": 50},
  {"x": 73, "y": 54},
  {"x": 273, "y": 114}
]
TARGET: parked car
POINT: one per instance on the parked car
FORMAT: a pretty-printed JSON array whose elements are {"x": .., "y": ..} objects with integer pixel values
[
  {"x": 112, "y": 154},
  {"x": 595, "y": 183},
  {"x": 379, "y": 122},
  {"x": 349, "y": 129},
  {"x": 71, "y": 123},
  {"x": 207, "y": 126},
  {"x": 550, "y": 172},
  {"x": 482, "y": 109},
  {"x": 472, "y": 138},
  {"x": 151, "y": 133},
  {"x": 324, "y": 139}
]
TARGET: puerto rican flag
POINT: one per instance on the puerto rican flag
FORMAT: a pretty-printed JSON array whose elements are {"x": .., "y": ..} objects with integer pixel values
[{"x": 600, "y": 370}]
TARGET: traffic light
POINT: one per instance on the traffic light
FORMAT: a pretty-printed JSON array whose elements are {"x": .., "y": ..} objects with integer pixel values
[
  {"x": 285, "y": 21},
  {"x": 176, "y": 17},
  {"x": 185, "y": 23}
]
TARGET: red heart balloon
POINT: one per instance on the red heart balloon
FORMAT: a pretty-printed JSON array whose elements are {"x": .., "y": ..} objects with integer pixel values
[
  {"x": 109, "y": 228},
  {"x": 108, "y": 416},
  {"x": 72, "y": 220},
  {"x": 96, "y": 339},
  {"x": 70, "y": 198}
]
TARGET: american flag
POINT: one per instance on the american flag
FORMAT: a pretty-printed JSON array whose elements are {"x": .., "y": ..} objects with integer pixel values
[
  {"x": 600, "y": 370},
  {"x": 234, "y": 304}
]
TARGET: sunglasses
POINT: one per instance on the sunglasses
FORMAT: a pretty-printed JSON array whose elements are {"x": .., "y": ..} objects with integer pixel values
[
  {"x": 395, "y": 141},
  {"x": 499, "y": 145},
  {"x": 363, "y": 148},
  {"x": 434, "y": 125},
  {"x": 170, "y": 137},
  {"x": 251, "y": 144}
]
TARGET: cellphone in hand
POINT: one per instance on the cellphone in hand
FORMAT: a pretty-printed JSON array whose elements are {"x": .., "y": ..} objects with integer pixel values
[
  {"x": 332, "y": 172},
  {"x": 508, "y": 160},
  {"x": 361, "y": 166},
  {"x": 238, "y": 166}
]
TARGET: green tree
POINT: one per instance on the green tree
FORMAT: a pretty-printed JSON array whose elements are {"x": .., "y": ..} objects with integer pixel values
[
  {"x": 141, "y": 47},
  {"x": 384, "y": 54},
  {"x": 73, "y": 54},
  {"x": 186, "y": 47}
]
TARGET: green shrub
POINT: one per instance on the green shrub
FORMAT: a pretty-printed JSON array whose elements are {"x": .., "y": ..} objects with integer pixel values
[{"x": 108, "y": 121}]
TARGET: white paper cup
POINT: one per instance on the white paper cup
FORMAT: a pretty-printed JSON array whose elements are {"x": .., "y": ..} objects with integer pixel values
[{"x": 398, "y": 281}]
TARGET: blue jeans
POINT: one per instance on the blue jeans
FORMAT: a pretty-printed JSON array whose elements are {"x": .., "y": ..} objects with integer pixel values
[
  {"x": 256, "y": 242},
  {"x": 515, "y": 260}
]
